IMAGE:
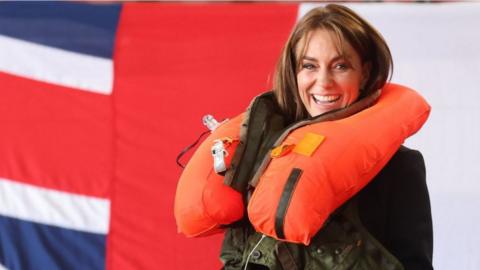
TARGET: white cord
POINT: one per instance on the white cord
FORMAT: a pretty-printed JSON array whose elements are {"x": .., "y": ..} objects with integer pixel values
[{"x": 251, "y": 252}]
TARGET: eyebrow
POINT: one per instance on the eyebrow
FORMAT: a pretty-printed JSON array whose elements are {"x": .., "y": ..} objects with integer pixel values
[{"x": 305, "y": 57}]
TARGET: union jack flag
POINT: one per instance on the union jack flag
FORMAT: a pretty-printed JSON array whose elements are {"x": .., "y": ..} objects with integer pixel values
[{"x": 96, "y": 101}]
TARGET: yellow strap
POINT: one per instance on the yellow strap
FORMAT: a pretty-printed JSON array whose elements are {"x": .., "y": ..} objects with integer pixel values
[{"x": 281, "y": 150}]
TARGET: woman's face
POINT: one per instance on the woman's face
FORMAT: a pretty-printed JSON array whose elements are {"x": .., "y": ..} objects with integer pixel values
[{"x": 328, "y": 80}]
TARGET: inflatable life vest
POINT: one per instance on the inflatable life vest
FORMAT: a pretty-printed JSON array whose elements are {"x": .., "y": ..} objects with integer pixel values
[
  {"x": 202, "y": 202},
  {"x": 307, "y": 171}
]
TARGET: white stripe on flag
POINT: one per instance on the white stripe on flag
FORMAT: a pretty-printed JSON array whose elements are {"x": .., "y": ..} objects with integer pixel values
[
  {"x": 51, "y": 207},
  {"x": 57, "y": 66},
  {"x": 3, "y": 267}
]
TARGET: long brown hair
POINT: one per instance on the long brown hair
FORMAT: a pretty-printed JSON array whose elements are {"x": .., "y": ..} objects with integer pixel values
[{"x": 346, "y": 26}]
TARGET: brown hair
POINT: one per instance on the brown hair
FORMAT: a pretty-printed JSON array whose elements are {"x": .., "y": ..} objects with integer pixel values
[{"x": 346, "y": 26}]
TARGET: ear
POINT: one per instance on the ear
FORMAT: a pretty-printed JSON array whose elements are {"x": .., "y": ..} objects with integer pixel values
[{"x": 366, "y": 68}]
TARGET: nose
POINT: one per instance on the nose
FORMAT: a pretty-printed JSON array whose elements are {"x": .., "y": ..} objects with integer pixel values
[{"x": 324, "y": 78}]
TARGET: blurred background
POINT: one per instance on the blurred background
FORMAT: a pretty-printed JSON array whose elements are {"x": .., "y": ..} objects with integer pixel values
[{"x": 98, "y": 99}]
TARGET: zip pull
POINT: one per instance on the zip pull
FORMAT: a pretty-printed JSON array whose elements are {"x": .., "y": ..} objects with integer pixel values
[{"x": 251, "y": 252}]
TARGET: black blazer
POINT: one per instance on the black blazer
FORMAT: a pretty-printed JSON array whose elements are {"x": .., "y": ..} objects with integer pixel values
[{"x": 395, "y": 208}]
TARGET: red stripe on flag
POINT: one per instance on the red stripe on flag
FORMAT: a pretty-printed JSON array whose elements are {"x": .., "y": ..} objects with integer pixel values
[
  {"x": 55, "y": 137},
  {"x": 173, "y": 64}
]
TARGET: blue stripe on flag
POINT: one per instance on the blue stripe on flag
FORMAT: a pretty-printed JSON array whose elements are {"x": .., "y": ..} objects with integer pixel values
[
  {"x": 30, "y": 246},
  {"x": 79, "y": 27}
]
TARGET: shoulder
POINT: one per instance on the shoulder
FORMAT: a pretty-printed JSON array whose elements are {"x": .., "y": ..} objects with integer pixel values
[
  {"x": 405, "y": 172},
  {"x": 404, "y": 160},
  {"x": 403, "y": 150}
]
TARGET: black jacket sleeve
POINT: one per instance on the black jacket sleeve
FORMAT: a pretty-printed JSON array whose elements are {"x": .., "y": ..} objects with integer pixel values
[{"x": 395, "y": 208}]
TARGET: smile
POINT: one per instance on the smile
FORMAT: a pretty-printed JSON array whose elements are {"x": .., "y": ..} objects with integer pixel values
[{"x": 323, "y": 99}]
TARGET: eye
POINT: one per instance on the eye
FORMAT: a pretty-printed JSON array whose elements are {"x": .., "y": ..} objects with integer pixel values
[
  {"x": 341, "y": 66},
  {"x": 308, "y": 66}
]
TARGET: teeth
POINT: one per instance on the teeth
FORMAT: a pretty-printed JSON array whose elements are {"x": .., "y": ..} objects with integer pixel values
[{"x": 321, "y": 98}]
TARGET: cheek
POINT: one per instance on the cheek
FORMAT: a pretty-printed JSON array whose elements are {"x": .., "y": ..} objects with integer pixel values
[
  {"x": 352, "y": 93},
  {"x": 351, "y": 87},
  {"x": 303, "y": 82}
]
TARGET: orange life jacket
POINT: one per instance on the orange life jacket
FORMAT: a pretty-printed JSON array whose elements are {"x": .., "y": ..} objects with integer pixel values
[{"x": 313, "y": 168}]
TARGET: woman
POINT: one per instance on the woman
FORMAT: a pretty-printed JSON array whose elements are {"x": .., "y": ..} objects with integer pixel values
[{"x": 333, "y": 59}]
